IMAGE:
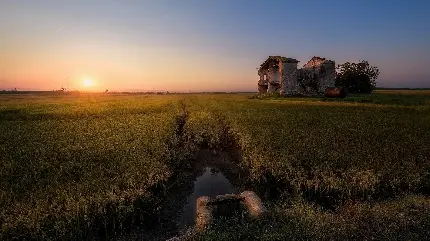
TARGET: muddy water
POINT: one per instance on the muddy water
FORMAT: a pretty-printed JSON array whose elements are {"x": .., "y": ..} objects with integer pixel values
[
  {"x": 212, "y": 174},
  {"x": 211, "y": 183}
]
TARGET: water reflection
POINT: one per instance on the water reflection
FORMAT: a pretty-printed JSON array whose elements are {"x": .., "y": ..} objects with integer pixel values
[{"x": 211, "y": 183}]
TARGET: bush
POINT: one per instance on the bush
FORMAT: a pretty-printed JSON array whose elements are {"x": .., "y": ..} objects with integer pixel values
[{"x": 357, "y": 77}]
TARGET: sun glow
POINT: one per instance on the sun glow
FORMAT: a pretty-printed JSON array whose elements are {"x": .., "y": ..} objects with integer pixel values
[{"x": 88, "y": 82}]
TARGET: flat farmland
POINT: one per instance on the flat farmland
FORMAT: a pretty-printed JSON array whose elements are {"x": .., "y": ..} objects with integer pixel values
[{"x": 81, "y": 166}]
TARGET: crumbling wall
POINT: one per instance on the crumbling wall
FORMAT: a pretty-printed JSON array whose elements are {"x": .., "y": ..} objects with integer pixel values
[
  {"x": 314, "y": 62},
  {"x": 327, "y": 79},
  {"x": 289, "y": 77},
  {"x": 280, "y": 74},
  {"x": 262, "y": 82},
  {"x": 272, "y": 69},
  {"x": 308, "y": 82},
  {"x": 274, "y": 79},
  {"x": 320, "y": 71},
  {"x": 262, "y": 89}
]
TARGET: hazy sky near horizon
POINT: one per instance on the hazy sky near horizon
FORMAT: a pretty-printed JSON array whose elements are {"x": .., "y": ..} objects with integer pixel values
[{"x": 203, "y": 45}]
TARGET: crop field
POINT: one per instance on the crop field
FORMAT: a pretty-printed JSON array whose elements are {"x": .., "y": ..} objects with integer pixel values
[{"x": 83, "y": 166}]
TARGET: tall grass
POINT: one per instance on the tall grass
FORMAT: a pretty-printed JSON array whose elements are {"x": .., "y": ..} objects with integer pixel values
[
  {"x": 71, "y": 164},
  {"x": 346, "y": 150},
  {"x": 74, "y": 167}
]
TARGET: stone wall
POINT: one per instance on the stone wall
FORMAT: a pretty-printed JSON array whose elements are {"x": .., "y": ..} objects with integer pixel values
[
  {"x": 280, "y": 74},
  {"x": 327, "y": 79},
  {"x": 262, "y": 89},
  {"x": 321, "y": 71},
  {"x": 262, "y": 82},
  {"x": 314, "y": 62},
  {"x": 289, "y": 78},
  {"x": 274, "y": 79}
]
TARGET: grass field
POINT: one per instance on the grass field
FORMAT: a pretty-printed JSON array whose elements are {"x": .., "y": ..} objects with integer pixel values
[{"x": 92, "y": 165}]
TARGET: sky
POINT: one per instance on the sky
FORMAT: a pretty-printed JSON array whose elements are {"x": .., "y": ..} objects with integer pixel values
[{"x": 203, "y": 45}]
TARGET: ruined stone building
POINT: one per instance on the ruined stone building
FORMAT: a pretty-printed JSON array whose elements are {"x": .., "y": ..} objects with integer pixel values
[{"x": 281, "y": 75}]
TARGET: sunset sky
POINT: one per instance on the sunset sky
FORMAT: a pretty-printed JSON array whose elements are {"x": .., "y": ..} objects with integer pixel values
[{"x": 203, "y": 45}]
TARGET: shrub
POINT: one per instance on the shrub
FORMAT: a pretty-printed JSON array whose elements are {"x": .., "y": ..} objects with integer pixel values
[{"x": 357, "y": 77}]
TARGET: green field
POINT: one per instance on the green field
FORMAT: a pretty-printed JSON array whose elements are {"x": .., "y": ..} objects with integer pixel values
[{"x": 93, "y": 165}]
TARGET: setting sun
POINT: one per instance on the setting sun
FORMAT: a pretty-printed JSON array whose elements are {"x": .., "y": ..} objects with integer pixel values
[{"x": 88, "y": 82}]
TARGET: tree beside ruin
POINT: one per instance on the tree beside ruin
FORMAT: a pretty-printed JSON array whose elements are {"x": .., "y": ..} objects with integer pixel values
[{"x": 357, "y": 77}]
